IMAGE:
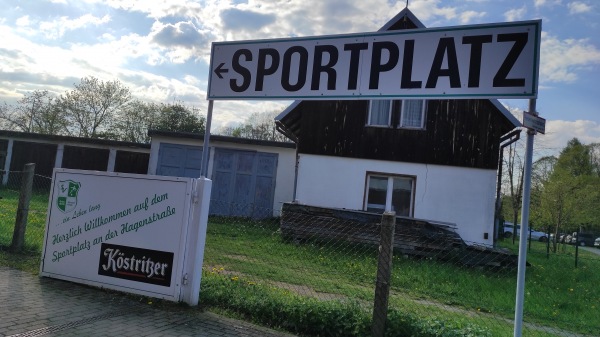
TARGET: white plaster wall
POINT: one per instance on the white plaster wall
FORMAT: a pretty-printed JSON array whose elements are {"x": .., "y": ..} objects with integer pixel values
[
  {"x": 463, "y": 196},
  {"x": 284, "y": 181}
]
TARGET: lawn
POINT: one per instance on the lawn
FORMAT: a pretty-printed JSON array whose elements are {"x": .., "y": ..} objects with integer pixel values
[
  {"x": 558, "y": 295},
  {"x": 249, "y": 270}
]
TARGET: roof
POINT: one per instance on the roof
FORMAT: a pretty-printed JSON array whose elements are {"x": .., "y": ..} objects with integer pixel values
[
  {"x": 288, "y": 122},
  {"x": 219, "y": 138},
  {"x": 63, "y": 139}
]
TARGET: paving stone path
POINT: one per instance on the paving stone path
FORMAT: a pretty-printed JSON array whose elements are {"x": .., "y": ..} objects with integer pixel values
[{"x": 33, "y": 306}]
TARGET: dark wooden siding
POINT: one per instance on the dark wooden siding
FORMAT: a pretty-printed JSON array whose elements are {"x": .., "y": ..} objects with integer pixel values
[
  {"x": 132, "y": 162},
  {"x": 458, "y": 133},
  {"x": 3, "y": 148},
  {"x": 83, "y": 158},
  {"x": 43, "y": 155}
]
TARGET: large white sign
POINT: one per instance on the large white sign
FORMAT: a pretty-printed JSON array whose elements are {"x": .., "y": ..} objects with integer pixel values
[
  {"x": 120, "y": 231},
  {"x": 480, "y": 61}
]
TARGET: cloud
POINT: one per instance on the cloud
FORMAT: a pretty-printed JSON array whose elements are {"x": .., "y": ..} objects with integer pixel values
[
  {"x": 542, "y": 3},
  {"x": 157, "y": 9},
  {"x": 470, "y": 16},
  {"x": 515, "y": 14},
  {"x": 57, "y": 28},
  {"x": 577, "y": 7},
  {"x": 562, "y": 60},
  {"x": 559, "y": 132},
  {"x": 181, "y": 34},
  {"x": 179, "y": 42},
  {"x": 236, "y": 19}
]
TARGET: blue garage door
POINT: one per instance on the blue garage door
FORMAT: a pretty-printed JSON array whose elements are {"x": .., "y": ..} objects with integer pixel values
[
  {"x": 243, "y": 183},
  {"x": 179, "y": 160}
]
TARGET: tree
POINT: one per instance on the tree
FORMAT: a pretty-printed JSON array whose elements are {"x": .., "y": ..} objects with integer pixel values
[
  {"x": 540, "y": 175},
  {"x": 91, "y": 107},
  {"x": 514, "y": 178},
  {"x": 135, "y": 119},
  {"x": 259, "y": 125},
  {"x": 177, "y": 117},
  {"x": 594, "y": 150},
  {"x": 35, "y": 112},
  {"x": 571, "y": 194}
]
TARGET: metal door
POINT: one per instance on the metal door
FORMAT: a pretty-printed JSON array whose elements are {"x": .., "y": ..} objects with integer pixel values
[{"x": 243, "y": 183}]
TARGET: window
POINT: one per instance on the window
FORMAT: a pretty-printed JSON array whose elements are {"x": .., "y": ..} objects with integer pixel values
[
  {"x": 412, "y": 114},
  {"x": 408, "y": 113},
  {"x": 380, "y": 113},
  {"x": 394, "y": 193}
]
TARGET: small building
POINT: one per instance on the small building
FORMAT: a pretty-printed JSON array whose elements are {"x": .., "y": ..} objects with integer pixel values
[
  {"x": 251, "y": 178},
  {"x": 52, "y": 151},
  {"x": 430, "y": 159}
]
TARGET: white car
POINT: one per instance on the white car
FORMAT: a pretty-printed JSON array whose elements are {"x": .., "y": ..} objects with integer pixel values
[
  {"x": 535, "y": 235},
  {"x": 597, "y": 243}
]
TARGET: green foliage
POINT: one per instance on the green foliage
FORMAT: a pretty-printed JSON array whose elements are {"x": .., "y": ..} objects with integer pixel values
[
  {"x": 408, "y": 324},
  {"x": 36, "y": 111},
  {"x": 98, "y": 109},
  {"x": 259, "y": 125},
  {"x": 255, "y": 251},
  {"x": 287, "y": 310},
  {"x": 567, "y": 199},
  {"x": 177, "y": 117},
  {"x": 92, "y": 106},
  {"x": 36, "y": 220}
]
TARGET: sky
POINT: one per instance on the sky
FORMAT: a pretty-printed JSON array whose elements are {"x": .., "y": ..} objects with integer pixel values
[{"x": 160, "y": 50}]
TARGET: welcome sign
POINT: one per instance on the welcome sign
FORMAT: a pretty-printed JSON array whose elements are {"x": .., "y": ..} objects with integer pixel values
[{"x": 119, "y": 231}]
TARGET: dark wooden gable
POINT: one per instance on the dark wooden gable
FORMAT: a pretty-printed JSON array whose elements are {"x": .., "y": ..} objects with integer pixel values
[
  {"x": 457, "y": 133},
  {"x": 462, "y": 133}
]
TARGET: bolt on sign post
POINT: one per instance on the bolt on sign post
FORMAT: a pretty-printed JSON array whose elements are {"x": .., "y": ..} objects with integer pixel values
[{"x": 487, "y": 61}]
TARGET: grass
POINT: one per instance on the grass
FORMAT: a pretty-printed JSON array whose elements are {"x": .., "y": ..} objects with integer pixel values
[
  {"x": 251, "y": 271},
  {"x": 36, "y": 219},
  {"x": 558, "y": 295}
]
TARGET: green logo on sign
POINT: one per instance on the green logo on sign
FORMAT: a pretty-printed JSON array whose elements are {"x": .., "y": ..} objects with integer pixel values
[{"x": 67, "y": 195}]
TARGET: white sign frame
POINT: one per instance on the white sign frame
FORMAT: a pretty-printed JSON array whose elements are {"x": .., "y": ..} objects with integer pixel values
[
  {"x": 145, "y": 216},
  {"x": 428, "y": 63}
]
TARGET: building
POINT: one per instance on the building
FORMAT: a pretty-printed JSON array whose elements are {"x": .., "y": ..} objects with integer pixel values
[
  {"x": 428, "y": 159},
  {"x": 251, "y": 178}
]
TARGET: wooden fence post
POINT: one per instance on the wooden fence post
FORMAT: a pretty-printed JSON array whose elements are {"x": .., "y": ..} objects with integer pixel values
[
  {"x": 18, "y": 238},
  {"x": 384, "y": 273}
]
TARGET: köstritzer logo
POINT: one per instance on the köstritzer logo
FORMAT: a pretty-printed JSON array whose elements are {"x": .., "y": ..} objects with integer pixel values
[
  {"x": 136, "y": 264},
  {"x": 67, "y": 195}
]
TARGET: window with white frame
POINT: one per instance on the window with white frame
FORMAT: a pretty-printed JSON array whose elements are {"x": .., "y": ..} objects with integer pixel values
[
  {"x": 412, "y": 114},
  {"x": 408, "y": 113},
  {"x": 380, "y": 113},
  {"x": 391, "y": 193}
]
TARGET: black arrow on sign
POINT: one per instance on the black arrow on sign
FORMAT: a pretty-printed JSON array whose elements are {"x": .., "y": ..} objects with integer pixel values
[{"x": 220, "y": 71}]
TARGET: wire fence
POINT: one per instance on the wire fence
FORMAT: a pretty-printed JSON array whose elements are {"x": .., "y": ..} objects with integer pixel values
[
  {"x": 318, "y": 271},
  {"x": 10, "y": 188}
]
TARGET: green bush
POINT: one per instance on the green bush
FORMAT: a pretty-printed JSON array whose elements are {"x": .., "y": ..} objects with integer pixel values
[{"x": 284, "y": 309}]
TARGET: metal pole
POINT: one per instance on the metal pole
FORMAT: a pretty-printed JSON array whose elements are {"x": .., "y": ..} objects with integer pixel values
[
  {"x": 205, "y": 146},
  {"x": 524, "y": 228}
]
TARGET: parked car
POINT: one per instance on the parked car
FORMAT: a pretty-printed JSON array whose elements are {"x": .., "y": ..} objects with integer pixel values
[
  {"x": 597, "y": 243},
  {"x": 535, "y": 235},
  {"x": 584, "y": 239}
]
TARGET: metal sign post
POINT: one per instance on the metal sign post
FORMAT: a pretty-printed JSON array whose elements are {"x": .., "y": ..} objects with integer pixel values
[
  {"x": 205, "y": 146},
  {"x": 524, "y": 228}
]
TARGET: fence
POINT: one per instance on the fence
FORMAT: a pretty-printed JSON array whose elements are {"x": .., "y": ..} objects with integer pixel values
[
  {"x": 36, "y": 214},
  {"x": 314, "y": 271}
]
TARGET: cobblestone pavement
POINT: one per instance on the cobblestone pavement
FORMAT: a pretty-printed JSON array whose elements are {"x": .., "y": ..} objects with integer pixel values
[{"x": 34, "y": 306}]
